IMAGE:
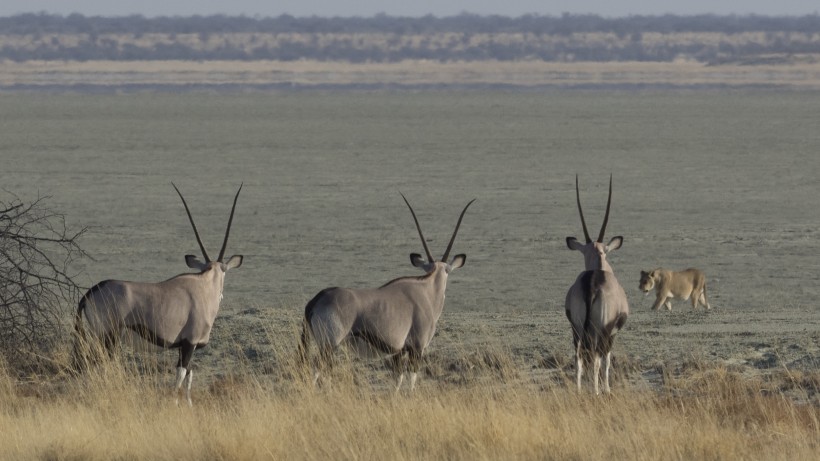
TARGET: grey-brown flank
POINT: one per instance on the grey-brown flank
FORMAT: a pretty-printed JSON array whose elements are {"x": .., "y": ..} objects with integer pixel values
[
  {"x": 396, "y": 319},
  {"x": 176, "y": 313},
  {"x": 596, "y": 304}
]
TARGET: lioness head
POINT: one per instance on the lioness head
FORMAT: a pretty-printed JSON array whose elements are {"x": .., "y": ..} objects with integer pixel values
[{"x": 648, "y": 280}]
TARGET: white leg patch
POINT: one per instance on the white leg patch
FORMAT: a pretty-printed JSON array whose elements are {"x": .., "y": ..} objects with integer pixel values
[
  {"x": 181, "y": 372},
  {"x": 189, "y": 378},
  {"x": 399, "y": 381},
  {"x": 413, "y": 376},
  {"x": 579, "y": 370},
  {"x": 596, "y": 370}
]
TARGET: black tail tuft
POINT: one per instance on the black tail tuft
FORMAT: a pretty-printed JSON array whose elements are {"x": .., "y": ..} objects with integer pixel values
[
  {"x": 80, "y": 359},
  {"x": 590, "y": 281},
  {"x": 303, "y": 345}
]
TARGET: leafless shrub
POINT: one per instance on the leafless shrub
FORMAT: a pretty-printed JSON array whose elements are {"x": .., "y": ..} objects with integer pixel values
[{"x": 36, "y": 250}]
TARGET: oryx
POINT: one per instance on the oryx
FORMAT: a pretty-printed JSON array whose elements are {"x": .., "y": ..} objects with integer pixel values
[
  {"x": 176, "y": 313},
  {"x": 397, "y": 318},
  {"x": 596, "y": 304}
]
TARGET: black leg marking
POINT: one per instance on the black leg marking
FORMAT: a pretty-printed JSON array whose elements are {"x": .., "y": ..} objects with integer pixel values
[
  {"x": 326, "y": 358},
  {"x": 110, "y": 342},
  {"x": 414, "y": 360},
  {"x": 397, "y": 363},
  {"x": 186, "y": 351}
]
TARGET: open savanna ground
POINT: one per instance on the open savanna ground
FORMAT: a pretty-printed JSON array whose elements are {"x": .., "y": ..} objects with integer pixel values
[{"x": 721, "y": 180}]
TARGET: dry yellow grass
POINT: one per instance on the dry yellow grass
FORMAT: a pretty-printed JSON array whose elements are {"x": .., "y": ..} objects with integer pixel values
[
  {"x": 307, "y": 74},
  {"x": 116, "y": 412}
]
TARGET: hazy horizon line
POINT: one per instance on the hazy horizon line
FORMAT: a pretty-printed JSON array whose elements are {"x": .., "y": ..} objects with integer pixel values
[{"x": 386, "y": 15}]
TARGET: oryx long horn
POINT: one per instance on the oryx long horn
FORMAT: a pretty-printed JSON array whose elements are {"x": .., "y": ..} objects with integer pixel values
[
  {"x": 198, "y": 240},
  {"x": 423, "y": 242},
  {"x": 606, "y": 216},
  {"x": 580, "y": 211},
  {"x": 230, "y": 220},
  {"x": 453, "y": 238}
]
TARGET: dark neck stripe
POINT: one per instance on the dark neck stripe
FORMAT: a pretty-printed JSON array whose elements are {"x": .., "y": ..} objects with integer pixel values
[{"x": 410, "y": 277}]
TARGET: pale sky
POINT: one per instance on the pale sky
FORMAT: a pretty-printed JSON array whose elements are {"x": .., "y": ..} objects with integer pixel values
[{"x": 366, "y": 8}]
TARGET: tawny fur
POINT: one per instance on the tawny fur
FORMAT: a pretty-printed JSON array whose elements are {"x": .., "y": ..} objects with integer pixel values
[{"x": 668, "y": 285}]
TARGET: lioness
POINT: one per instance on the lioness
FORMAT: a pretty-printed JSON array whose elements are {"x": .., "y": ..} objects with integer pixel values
[{"x": 681, "y": 285}]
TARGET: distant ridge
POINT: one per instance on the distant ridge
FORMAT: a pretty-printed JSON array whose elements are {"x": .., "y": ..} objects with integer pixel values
[
  {"x": 32, "y": 23},
  {"x": 567, "y": 38}
]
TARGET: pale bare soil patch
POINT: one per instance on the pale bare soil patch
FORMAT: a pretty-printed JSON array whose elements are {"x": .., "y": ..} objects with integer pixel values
[{"x": 316, "y": 74}]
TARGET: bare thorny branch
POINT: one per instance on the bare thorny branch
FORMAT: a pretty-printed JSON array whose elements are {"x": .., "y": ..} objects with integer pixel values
[{"x": 37, "y": 288}]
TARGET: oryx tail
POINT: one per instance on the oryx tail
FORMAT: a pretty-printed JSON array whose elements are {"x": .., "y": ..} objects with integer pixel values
[
  {"x": 306, "y": 327},
  {"x": 397, "y": 319},
  {"x": 178, "y": 312},
  {"x": 80, "y": 337},
  {"x": 596, "y": 304}
]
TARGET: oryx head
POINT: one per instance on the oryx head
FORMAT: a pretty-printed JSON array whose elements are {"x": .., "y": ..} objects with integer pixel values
[
  {"x": 430, "y": 263},
  {"x": 595, "y": 252},
  {"x": 221, "y": 266}
]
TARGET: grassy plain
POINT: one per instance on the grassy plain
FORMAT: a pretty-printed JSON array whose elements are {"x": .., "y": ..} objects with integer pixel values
[{"x": 721, "y": 180}]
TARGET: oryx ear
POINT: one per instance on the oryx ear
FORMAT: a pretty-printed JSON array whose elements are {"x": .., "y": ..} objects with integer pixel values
[
  {"x": 574, "y": 244},
  {"x": 458, "y": 261},
  {"x": 416, "y": 260},
  {"x": 234, "y": 262},
  {"x": 194, "y": 263},
  {"x": 615, "y": 243}
]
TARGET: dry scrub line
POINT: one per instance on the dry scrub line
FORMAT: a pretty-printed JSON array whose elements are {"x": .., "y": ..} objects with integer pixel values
[{"x": 312, "y": 73}]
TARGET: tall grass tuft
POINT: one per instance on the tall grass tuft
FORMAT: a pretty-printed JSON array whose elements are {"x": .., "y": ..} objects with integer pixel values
[{"x": 117, "y": 409}]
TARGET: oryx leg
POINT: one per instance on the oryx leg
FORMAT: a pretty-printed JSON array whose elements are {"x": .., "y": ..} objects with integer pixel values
[
  {"x": 186, "y": 351},
  {"x": 579, "y": 364},
  {"x": 110, "y": 342},
  {"x": 324, "y": 364},
  {"x": 607, "y": 365},
  {"x": 397, "y": 363},
  {"x": 414, "y": 359},
  {"x": 596, "y": 371}
]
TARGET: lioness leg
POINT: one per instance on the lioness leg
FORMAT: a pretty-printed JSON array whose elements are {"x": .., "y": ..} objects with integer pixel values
[
  {"x": 659, "y": 301},
  {"x": 703, "y": 299},
  {"x": 696, "y": 295},
  {"x": 669, "y": 304}
]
